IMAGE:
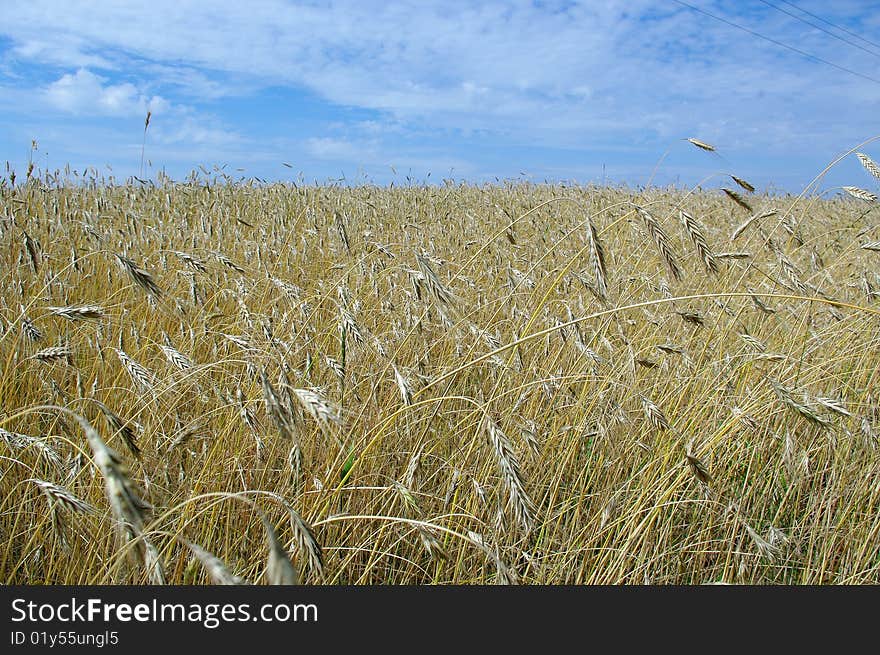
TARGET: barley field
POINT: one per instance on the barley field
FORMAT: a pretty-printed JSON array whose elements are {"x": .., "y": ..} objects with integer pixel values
[{"x": 217, "y": 381}]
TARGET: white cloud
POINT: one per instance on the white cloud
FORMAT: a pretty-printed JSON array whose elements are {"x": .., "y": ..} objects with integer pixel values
[
  {"x": 59, "y": 49},
  {"x": 190, "y": 128},
  {"x": 614, "y": 74},
  {"x": 84, "y": 92},
  {"x": 563, "y": 71}
]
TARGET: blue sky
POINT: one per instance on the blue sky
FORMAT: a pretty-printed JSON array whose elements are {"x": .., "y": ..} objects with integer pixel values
[{"x": 573, "y": 91}]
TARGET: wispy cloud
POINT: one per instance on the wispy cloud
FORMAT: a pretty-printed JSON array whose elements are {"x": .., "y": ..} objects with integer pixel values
[{"x": 455, "y": 81}]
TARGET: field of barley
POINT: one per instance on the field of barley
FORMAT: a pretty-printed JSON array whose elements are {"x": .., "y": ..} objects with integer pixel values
[{"x": 213, "y": 381}]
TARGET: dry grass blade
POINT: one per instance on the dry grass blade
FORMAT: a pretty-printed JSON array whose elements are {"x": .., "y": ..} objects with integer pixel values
[
  {"x": 869, "y": 164},
  {"x": 873, "y": 245},
  {"x": 697, "y": 234},
  {"x": 279, "y": 569}
]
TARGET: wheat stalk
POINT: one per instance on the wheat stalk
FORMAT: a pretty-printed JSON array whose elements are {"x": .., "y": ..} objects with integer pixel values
[
  {"x": 508, "y": 465},
  {"x": 215, "y": 567},
  {"x": 57, "y": 493},
  {"x": 742, "y": 183},
  {"x": 702, "y": 145},
  {"x": 597, "y": 260},
  {"x": 120, "y": 427},
  {"x": 662, "y": 241},
  {"x": 279, "y": 569},
  {"x": 175, "y": 357},
  {"x": 143, "y": 379},
  {"x": 54, "y": 353},
  {"x": 435, "y": 287},
  {"x": 861, "y": 194},
  {"x": 738, "y": 199},
  {"x": 696, "y": 233},
  {"x": 654, "y": 414},
  {"x": 139, "y": 276},
  {"x": 869, "y": 164},
  {"x": 81, "y": 313}
]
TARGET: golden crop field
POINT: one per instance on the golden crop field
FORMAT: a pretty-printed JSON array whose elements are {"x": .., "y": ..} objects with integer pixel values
[{"x": 211, "y": 381}]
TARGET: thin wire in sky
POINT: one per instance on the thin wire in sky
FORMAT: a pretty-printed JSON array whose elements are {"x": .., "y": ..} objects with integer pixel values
[
  {"x": 780, "y": 43},
  {"x": 829, "y": 23},
  {"x": 821, "y": 29}
]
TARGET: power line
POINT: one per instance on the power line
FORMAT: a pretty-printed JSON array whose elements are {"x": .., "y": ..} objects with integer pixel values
[
  {"x": 821, "y": 29},
  {"x": 780, "y": 43},
  {"x": 842, "y": 29}
]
